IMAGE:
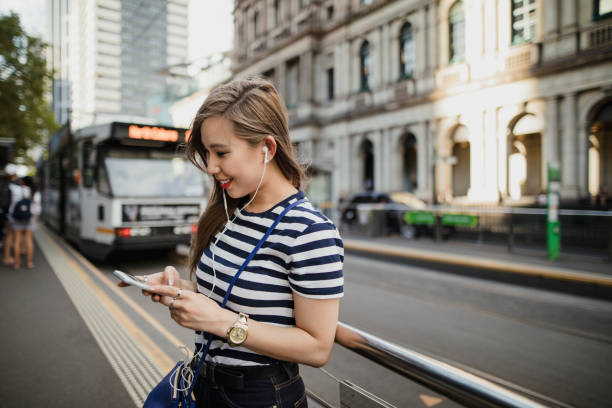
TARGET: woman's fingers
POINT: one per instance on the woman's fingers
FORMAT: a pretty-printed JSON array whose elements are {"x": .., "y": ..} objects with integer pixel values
[
  {"x": 170, "y": 275},
  {"x": 168, "y": 292}
]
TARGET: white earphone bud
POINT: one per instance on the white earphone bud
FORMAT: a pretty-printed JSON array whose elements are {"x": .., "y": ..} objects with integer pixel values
[{"x": 265, "y": 149}]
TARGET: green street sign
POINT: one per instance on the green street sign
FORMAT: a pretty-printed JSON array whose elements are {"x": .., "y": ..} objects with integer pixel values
[
  {"x": 553, "y": 225},
  {"x": 420, "y": 217},
  {"x": 460, "y": 220}
]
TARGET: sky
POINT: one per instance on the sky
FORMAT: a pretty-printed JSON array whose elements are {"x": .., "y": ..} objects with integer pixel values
[{"x": 210, "y": 23}]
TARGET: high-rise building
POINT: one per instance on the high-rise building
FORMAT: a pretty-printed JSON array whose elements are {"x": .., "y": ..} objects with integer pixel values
[{"x": 109, "y": 56}]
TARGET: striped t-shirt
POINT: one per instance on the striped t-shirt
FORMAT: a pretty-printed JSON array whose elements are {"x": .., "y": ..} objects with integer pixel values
[{"x": 304, "y": 254}]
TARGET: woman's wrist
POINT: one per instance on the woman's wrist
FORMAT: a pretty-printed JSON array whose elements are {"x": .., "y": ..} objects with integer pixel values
[{"x": 225, "y": 322}]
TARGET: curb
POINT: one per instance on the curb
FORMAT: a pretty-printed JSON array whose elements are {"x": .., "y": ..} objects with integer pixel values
[{"x": 547, "y": 276}]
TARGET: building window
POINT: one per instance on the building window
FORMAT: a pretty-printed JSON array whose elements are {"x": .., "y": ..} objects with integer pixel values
[
  {"x": 293, "y": 83},
  {"x": 365, "y": 66},
  {"x": 366, "y": 2},
  {"x": 330, "y": 12},
  {"x": 602, "y": 9},
  {"x": 456, "y": 25},
  {"x": 255, "y": 24},
  {"x": 276, "y": 12},
  {"x": 523, "y": 21},
  {"x": 303, "y": 3},
  {"x": 330, "y": 84},
  {"x": 407, "y": 58}
]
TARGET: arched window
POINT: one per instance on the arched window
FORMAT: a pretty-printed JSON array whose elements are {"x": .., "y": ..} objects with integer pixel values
[
  {"x": 407, "y": 58},
  {"x": 456, "y": 32},
  {"x": 365, "y": 66}
]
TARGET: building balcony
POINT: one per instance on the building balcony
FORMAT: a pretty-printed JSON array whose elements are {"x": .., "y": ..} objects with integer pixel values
[{"x": 597, "y": 37}]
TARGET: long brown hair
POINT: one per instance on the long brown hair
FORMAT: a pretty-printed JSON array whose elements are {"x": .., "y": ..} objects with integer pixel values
[{"x": 255, "y": 110}]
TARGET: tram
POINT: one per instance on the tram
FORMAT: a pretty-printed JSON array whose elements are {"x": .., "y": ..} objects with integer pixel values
[{"x": 121, "y": 186}]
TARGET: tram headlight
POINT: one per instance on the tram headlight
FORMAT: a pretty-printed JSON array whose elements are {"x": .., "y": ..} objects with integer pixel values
[{"x": 182, "y": 229}]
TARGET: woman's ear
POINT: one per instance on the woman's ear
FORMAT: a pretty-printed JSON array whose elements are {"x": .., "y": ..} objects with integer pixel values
[{"x": 270, "y": 143}]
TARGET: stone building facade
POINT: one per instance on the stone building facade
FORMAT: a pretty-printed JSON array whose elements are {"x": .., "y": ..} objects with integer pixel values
[{"x": 460, "y": 101}]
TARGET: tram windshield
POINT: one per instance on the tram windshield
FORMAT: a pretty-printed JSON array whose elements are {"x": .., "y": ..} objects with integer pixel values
[{"x": 149, "y": 173}]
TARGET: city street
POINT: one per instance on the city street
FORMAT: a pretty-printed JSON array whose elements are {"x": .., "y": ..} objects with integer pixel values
[{"x": 556, "y": 345}]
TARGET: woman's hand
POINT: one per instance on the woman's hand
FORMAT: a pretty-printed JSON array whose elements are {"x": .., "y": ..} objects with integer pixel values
[
  {"x": 169, "y": 276},
  {"x": 194, "y": 310}
]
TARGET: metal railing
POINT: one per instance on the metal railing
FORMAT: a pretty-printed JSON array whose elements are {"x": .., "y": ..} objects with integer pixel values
[
  {"x": 456, "y": 384},
  {"x": 582, "y": 230}
]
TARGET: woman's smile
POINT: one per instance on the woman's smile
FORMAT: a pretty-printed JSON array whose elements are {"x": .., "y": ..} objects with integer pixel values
[{"x": 225, "y": 183}]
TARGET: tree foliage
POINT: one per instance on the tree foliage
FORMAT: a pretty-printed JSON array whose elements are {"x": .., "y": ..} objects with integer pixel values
[{"x": 25, "y": 114}]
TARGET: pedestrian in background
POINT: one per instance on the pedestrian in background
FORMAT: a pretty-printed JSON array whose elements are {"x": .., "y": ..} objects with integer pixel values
[
  {"x": 20, "y": 217},
  {"x": 5, "y": 203},
  {"x": 35, "y": 209},
  {"x": 7, "y": 259},
  {"x": 284, "y": 306}
]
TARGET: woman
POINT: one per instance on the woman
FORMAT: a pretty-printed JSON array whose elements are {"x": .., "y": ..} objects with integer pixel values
[
  {"x": 286, "y": 301},
  {"x": 22, "y": 224}
]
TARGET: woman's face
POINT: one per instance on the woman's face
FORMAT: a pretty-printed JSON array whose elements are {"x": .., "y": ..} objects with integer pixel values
[{"x": 235, "y": 165}]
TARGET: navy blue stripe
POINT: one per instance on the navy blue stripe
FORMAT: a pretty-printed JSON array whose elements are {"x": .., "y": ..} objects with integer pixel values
[
  {"x": 318, "y": 244},
  {"x": 322, "y": 260},
  {"x": 316, "y": 276},
  {"x": 317, "y": 291},
  {"x": 239, "y": 300},
  {"x": 245, "y": 284}
]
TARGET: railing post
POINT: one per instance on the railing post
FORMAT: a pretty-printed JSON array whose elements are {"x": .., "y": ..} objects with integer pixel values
[
  {"x": 438, "y": 233},
  {"x": 511, "y": 233},
  {"x": 610, "y": 238}
]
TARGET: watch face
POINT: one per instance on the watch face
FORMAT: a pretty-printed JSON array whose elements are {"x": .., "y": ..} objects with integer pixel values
[{"x": 237, "y": 335}]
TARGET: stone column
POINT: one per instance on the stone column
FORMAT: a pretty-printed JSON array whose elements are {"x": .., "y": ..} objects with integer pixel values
[
  {"x": 431, "y": 30},
  {"x": 551, "y": 147},
  {"x": 569, "y": 14},
  {"x": 419, "y": 36},
  {"x": 376, "y": 50},
  {"x": 490, "y": 154},
  {"x": 569, "y": 151},
  {"x": 385, "y": 66},
  {"x": 422, "y": 162},
  {"x": 386, "y": 164},
  {"x": 281, "y": 72},
  {"x": 551, "y": 18},
  {"x": 583, "y": 175},
  {"x": 305, "y": 77},
  {"x": 343, "y": 163},
  {"x": 376, "y": 139}
]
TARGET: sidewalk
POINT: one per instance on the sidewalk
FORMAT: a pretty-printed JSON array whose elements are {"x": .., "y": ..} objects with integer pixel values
[
  {"x": 490, "y": 259},
  {"x": 49, "y": 357}
]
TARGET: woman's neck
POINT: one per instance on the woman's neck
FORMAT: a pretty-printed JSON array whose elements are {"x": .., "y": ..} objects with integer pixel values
[{"x": 274, "y": 189}]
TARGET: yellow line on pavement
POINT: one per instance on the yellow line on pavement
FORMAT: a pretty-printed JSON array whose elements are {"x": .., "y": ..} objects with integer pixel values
[
  {"x": 135, "y": 306},
  {"x": 161, "y": 359},
  {"x": 477, "y": 262}
]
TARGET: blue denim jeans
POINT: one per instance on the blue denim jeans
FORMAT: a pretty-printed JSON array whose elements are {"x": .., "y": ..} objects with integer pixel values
[{"x": 282, "y": 390}]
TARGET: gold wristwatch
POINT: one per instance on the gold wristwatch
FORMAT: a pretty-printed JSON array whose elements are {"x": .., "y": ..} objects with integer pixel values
[{"x": 237, "y": 334}]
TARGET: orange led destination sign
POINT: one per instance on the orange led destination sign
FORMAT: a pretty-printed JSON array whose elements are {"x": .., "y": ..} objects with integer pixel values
[{"x": 153, "y": 133}]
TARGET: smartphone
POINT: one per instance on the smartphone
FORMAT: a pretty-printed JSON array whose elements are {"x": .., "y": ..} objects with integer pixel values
[{"x": 131, "y": 280}]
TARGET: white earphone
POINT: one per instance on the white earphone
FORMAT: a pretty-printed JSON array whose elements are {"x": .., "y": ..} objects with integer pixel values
[{"x": 265, "y": 149}]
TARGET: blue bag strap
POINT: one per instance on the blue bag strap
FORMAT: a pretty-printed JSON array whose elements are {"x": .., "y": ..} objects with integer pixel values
[{"x": 231, "y": 285}]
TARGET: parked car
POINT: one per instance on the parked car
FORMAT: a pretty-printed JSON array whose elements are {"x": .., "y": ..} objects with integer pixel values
[{"x": 394, "y": 205}]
